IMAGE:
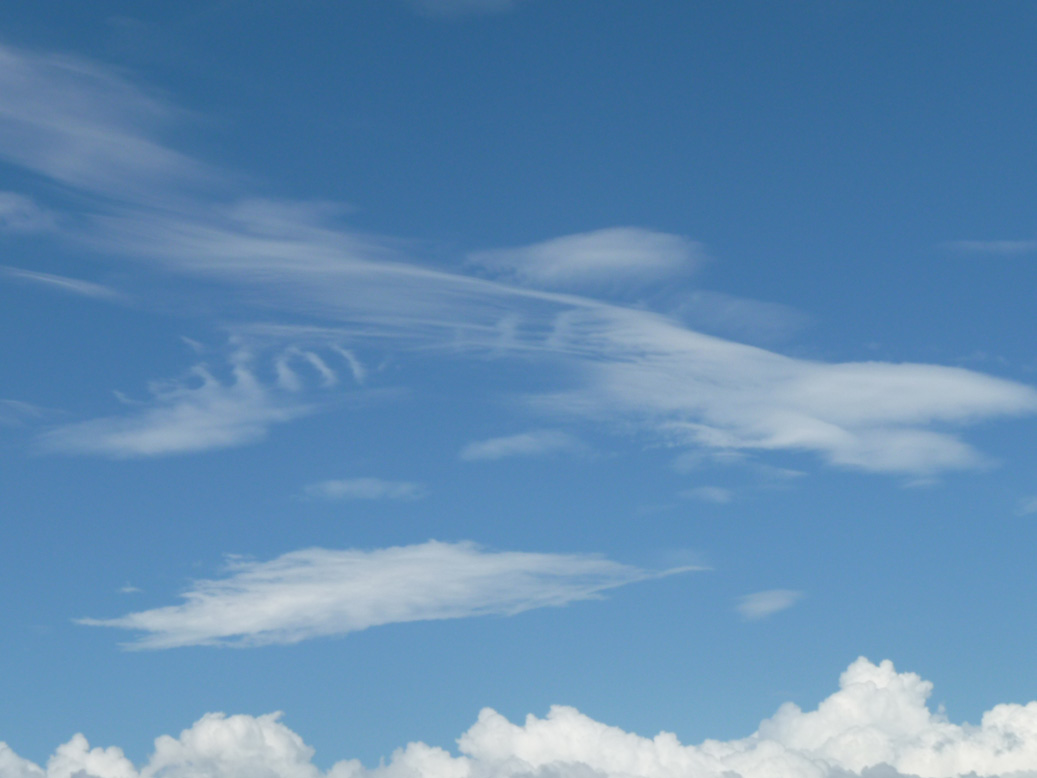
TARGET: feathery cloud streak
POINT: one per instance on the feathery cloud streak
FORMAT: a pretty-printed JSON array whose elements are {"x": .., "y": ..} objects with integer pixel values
[
  {"x": 876, "y": 725},
  {"x": 317, "y": 592},
  {"x": 631, "y": 364}
]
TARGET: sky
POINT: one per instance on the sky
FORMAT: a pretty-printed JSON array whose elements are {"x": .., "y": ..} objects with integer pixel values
[{"x": 469, "y": 388}]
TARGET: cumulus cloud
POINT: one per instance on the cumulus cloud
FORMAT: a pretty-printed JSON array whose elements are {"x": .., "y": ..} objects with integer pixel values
[
  {"x": 877, "y": 725},
  {"x": 58, "y": 283},
  {"x": 760, "y": 605},
  {"x": 316, "y": 592},
  {"x": 365, "y": 489},
  {"x": 612, "y": 258},
  {"x": 524, "y": 444}
]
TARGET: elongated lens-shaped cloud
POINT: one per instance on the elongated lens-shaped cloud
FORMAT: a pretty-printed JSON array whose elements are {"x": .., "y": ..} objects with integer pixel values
[
  {"x": 877, "y": 725},
  {"x": 318, "y": 591}
]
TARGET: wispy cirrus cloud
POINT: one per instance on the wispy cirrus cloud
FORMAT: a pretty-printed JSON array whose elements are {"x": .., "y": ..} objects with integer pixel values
[
  {"x": 714, "y": 494},
  {"x": 608, "y": 259},
  {"x": 523, "y": 444},
  {"x": 878, "y": 724},
  {"x": 202, "y": 410},
  {"x": 318, "y": 592},
  {"x": 365, "y": 489},
  {"x": 64, "y": 284},
  {"x": 995, "y": 247},
  {"x": 631, "y": 367},
  {"x": 760, "y": 605},
  {"x": 20, "y": 213}
]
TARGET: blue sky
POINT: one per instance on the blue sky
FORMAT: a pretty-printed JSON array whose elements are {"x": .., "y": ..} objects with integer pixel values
[{"x": 379, "y": 362}]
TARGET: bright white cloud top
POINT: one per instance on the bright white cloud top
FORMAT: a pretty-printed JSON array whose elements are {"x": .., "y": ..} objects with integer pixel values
[
  {"x": 317, "y": 592},
  {"x": 877, "y": 725}
]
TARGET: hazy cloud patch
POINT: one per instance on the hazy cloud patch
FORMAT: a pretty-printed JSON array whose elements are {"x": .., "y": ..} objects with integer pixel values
[
  {"x": 760, "y": 605},
  {"x": 524, "y": 444},
  {"x": 365, "y": 489}
]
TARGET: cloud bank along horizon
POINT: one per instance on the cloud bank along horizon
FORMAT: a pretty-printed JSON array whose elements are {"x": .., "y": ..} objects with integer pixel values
[{"x": 877, "y": 725}]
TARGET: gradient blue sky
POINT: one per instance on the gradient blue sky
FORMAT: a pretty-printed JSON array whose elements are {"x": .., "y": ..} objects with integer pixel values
[{"x": 655, "y": 358}]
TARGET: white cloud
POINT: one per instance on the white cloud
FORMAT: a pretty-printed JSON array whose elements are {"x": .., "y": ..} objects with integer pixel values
[
  {"x": 317, "y": 592},
  {"x": 19, "y": 213},
  {"x": 87, "y": 127},
  {"x": 714, "y": 494},
  {"x": 365, "y": 489},
  {"x": 760, "y": 605},
  {"x": 16, "y": 412},
  {"x": 613, "y": 259},
  {"x": 877, "y": 725},
  {"x": 639, "y": 370},
  {"x": 202, "y": 411},
  {"x": 61, "y": 283},
  {"x": 525, "y": 444}
]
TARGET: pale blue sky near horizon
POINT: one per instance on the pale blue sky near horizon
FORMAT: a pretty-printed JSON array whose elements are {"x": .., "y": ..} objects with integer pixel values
[{"x": 697, "y": 336}]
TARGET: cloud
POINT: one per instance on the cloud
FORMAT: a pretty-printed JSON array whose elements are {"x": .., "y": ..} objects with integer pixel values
[
  {"x": 614, "y": 258},
  {"x": 62, "y": 283},
  {"x": 760, "y": 605},
  {"x": 317, "y": 592},
  {"x": 202, "y": 411},
  {"x": 16, "y": 412},
  {"x": 630, "y": 367},
  {"x": 87, "y": 127},
  {"x": 524, "y": 444},
  {"x": 365, "y": 489},
  {"x": 19, "y": 213},
  {"x": 1026, "y": 507},
  {"x": 1002, "y": 247},
  {"x": 714, "y": 494},
  {"x": 877, "y": 725}
]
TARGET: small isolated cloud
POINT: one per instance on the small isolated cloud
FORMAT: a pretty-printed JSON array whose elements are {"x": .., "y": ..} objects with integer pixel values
[
  {"x": 19, "y": 213},
  {"x": 1026, "y": 507},
  {"x": 714, "y": 494},
  {"x": 525, "y": 444},
  {"x": 610, "y": 259},
  {"x": 365, "y": 489},
  {"x": 16, "y": 412},
  {"x": 997, "y": 247},
  {"x": 877, "y": 725},
  {"x": 317, "y": 592},
  {"x": 61, "y": 283},
  {"x": 760, "y": 605}
]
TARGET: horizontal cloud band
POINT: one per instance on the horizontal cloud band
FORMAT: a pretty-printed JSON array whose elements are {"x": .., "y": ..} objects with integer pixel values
[
  {"x": 877, "y": 725},
  {"x": 317, "y": 592}
]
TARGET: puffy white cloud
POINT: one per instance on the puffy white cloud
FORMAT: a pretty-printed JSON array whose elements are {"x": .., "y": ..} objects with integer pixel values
[
  {"x": 613, "y": 258},
  {"x": 524, "y": 444},
  {"x": 365, "y": 489},
  {"x": 760, "y": 605},
  {"x": 877, "y": 725},
  {"x": 316, "y": 591}
]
